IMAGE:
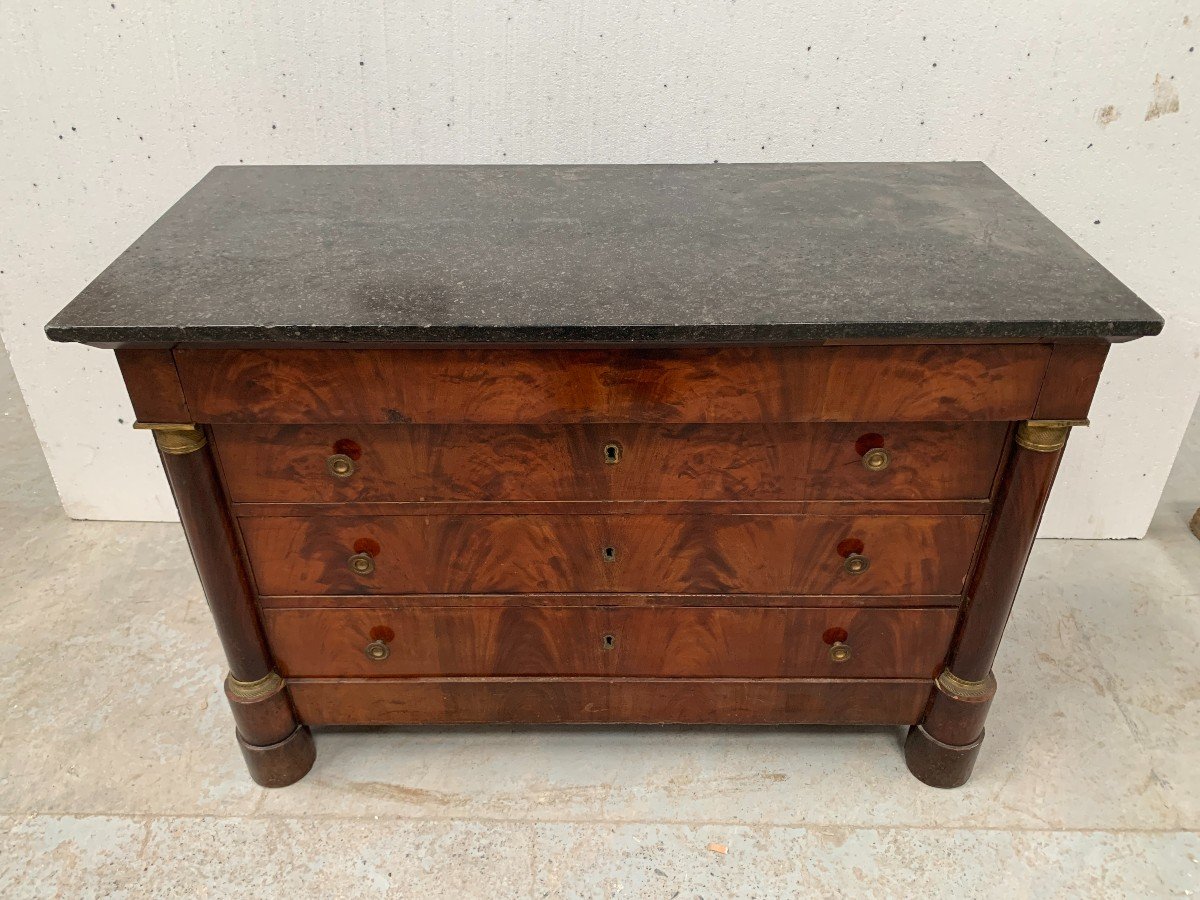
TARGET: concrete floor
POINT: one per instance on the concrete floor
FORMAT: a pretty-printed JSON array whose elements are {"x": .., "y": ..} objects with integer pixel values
[{"x": 119, "y": 775}]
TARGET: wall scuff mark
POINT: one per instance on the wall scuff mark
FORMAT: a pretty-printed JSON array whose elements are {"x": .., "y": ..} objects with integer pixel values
[{"x": 1166, "y": 98}]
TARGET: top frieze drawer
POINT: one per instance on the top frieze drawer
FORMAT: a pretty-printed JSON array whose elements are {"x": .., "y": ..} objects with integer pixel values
[{"x": 974, "y": 382}]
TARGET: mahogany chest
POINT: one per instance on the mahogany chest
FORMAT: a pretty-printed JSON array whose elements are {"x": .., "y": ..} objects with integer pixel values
[{"x": 610, "y": 444}]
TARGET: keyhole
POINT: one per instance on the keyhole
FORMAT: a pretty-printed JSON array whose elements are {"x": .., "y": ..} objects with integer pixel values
[
  {"x": 608, "y": 642},
  {"x": 612, "y": 454},
  {"x": 610, "y": 554}
]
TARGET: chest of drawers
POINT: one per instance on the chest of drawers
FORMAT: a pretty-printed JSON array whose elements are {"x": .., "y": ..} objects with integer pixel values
[{"x": 409, "y": 506}]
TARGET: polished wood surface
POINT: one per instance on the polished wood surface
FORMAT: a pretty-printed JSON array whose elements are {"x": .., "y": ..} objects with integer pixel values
[
  {"x": 153, "y": 385},
  {"x": 214, "y": 544},
  {"x": 1011, "y": 531},
  {"x": 1071, "y": 379},
  {"x": 543, "y": 386},
  {"x": 440, "y": 463},
  {"x": 617, "y": 507},
  {"x": 695, "y": 642},
  {"x": 732, "y": 601},
  {"x": 1020, "y": 500},
  {"x": 621, "y": 553},
  {"x": 519, "y": 577},
  {"x": 279, "y": 765},
  {"x": 942, "y": 749},
  {"x": 460, "y": 701}
]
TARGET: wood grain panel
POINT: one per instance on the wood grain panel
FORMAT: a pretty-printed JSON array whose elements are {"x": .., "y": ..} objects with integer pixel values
[
  {"x": 153, "y": 385},
  {"x": 619, "y": 507},
  {"x": 691, "y": 642},
  {"x": 732, "y": 601},
  {"x": 460, "y": 701},
  {"x": 440, "y": 463},
  {"x": 543, "y": 386},
  {"x": 1071, "y": 379},
  {"x": 548, "y": 553}
]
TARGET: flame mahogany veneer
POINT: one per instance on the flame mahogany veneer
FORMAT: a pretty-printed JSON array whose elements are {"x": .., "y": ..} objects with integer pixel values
[
  {"x": 702, "y": 642},
  {"x": 519, "y": 521},
  {"x": 459, "y": 463}
]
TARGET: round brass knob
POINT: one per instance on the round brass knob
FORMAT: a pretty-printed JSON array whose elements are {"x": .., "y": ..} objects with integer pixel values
[
  {"x": 876, "y": 460},
  {"x": 839, "y": 652},
  {"x": 340, "y": 465},
  {"x": 377, "y": 650},
  {"x": 856, "y": 564},
  {"x": 361, "y": 563}
]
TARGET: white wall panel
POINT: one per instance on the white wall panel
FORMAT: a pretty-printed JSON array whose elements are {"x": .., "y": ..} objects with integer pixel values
[{"x": 110, "y": 111}]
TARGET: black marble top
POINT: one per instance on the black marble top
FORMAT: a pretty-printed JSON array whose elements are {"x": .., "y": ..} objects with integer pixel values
[{"x": 654, "y": 253}]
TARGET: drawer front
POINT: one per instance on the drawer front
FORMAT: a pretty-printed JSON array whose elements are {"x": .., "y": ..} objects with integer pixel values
[
  {"x": 528, "y": 386},
  {"x": 668, "y": 643},
  {"x": 767, "y": 554},
  {"x": 448, "y": 463},
  {"x": 693, "y": 701}
]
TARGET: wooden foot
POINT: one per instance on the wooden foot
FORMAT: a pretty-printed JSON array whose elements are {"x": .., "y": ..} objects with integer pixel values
[
  {"x": 939, "y": 765},
  {"x": 281, "y": 764},
  {"x": 941, "y": 750},
  {"x": 278, "y": 749}
]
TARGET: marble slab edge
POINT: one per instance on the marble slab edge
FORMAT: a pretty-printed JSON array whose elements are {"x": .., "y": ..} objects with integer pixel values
[{"x": 110, "y": 336}]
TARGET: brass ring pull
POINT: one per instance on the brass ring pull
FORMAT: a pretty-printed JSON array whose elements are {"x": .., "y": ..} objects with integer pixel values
[
  {"x": 361, "y": 563},
  {"x": 876, "y": 460},
  {"x": 839, "y": 652},
  {"x": 340, "y": 465},
  {"x": 856, "y": 564},
  {"x": 378, "y": 651}
]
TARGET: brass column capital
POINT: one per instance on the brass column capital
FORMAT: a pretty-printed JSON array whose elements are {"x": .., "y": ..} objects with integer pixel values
[
  {"x": 176, "y": 439},
  {"x": 1046, "y": 435}
]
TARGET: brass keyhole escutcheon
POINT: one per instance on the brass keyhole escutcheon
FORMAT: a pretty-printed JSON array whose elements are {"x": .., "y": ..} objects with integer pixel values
[
  {"x": 608, "y": 642},
  {"x": 340, "y": 465},
  {"x": 876, "y": 460},
  {"x": 609, "y": 554},
  {"x": 361, "y": 563},
  {"x": 839, "y": 652},
  {"x": 612, "y": 454},
  {"x": 856, "y": 564},
  {"x": 377, "y": 650}
]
